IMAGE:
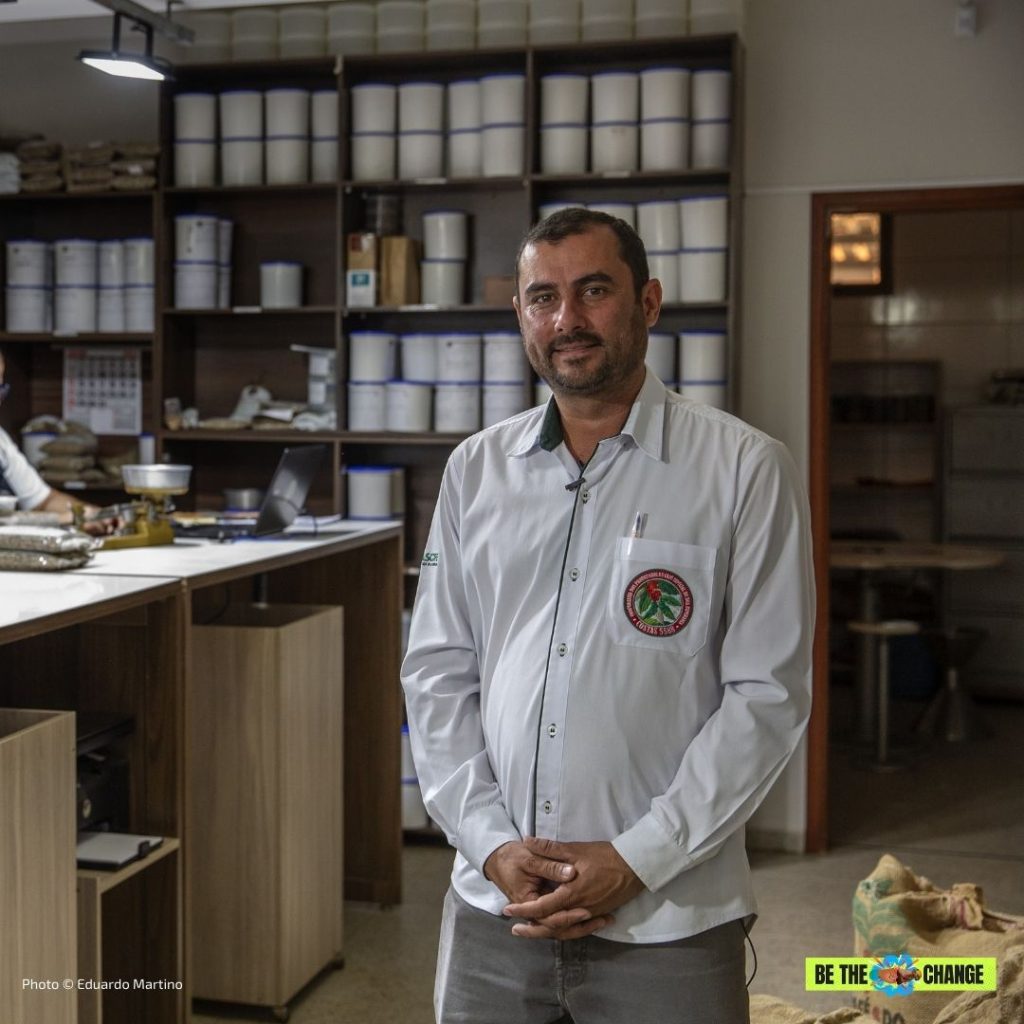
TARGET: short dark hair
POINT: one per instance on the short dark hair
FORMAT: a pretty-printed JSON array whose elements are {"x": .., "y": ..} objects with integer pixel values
[{"x": 578, "y": 220}]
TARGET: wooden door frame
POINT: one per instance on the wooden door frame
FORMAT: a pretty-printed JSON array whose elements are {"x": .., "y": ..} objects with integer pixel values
[{"x": 823, "y": 204}]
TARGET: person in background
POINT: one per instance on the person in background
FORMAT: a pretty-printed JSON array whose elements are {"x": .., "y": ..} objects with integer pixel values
[
  {"x": 608, "y": 667},
  {"x": 19, "y": 477}
]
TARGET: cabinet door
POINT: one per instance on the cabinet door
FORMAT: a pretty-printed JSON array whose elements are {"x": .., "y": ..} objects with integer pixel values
[{"x": 988, "y": 439}]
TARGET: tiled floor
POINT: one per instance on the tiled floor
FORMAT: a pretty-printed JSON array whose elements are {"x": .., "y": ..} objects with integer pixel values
[{"x": 956, "y": 816}]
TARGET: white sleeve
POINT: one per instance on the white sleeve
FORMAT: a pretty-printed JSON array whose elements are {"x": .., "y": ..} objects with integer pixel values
[
  {"x": 765, "y": 677},
  {"x": 25, "y": 483},
  {"x": 441, "y": 677}
]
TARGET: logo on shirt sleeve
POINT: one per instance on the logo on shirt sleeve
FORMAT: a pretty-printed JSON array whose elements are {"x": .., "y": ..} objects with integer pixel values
[
  {"x": 658, "y": 602},
  {"x": 430, "y": 558}
]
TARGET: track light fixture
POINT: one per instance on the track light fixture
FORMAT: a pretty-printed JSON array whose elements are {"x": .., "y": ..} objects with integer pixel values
[{"x": 136, "y": 65}]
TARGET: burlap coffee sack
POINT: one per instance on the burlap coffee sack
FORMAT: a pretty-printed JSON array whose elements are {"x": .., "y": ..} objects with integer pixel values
[
  {"x": 1004, "y": 1006},
  {"x": 769, "y": 1010},
  {"x": 897, "y": 911}
]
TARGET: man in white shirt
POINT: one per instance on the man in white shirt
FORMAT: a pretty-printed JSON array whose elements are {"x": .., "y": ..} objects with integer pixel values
[
  {"x": 19, "y": 477},
  {"x": 608, "y": 667}
]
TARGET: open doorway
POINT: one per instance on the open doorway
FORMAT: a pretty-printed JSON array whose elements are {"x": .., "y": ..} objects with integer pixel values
[{"x": 883, "y": 352}]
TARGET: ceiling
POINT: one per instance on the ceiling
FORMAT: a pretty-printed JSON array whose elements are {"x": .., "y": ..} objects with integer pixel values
[{"x": 48, "y": 10}]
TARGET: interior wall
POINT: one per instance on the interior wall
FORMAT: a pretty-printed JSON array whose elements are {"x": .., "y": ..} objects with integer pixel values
[{"x": 846, "y": 96}]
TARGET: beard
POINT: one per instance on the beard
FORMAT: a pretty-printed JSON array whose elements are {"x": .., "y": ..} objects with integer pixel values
[{"x": 576, "y": 377}]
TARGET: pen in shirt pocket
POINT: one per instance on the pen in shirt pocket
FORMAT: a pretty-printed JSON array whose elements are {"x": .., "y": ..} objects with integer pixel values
[{"x": 639, "y": 524}]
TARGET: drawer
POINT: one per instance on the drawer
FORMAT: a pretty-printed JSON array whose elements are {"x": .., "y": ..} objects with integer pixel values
[
  {"x": 978, "y": 507},
  {"x": 988, "y": 439}
]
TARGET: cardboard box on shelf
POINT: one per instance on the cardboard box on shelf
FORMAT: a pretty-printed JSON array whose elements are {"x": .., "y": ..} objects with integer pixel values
[
  {"x": 499, "y": 289},
  {"x": 399, "y": 271},
  {"x": 361, "y": 254}
]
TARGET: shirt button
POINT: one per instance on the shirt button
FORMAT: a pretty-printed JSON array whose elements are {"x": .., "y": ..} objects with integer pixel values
[
  {"x": 552, "y": 730},
  {"x": 562, "y": 650},
  {"x": 585, "y": 496},
  {"x": 574, "y": 574},
  {"x": 547, "y": 806}
]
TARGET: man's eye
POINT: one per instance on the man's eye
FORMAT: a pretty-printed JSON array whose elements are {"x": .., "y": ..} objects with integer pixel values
[
  {"x": 595, "y": 290},
  {"x": 542, "y": 299}
]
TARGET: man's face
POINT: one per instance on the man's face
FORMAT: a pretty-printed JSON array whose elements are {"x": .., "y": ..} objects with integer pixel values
[{"x": 583, "y": 326}]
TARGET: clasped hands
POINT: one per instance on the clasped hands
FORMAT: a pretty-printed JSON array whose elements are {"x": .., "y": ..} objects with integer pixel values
[{"x": 561, "y": 890}]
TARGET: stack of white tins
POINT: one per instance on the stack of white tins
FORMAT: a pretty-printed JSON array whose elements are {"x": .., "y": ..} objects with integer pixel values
[
  {"x": 657, "y": 224},
  {"x": 409, "y": 406},
  {"x": 501, "y": 23},
  {"x": 607, "y": 19},
  {"x": 554, "y": 23},
  {"x": 664, "y": 119},
  {"x": 225, "y": 231},
  {"x": 715, "y": 16},
  {"x": 624, "y": 211},
  {"x": 451, "y": 24},
  {"x": 212, "y": 42},
  {"x": 459, "y": 358},
  {"x": 661, "y": 356},
  {"x": 399, "y": 25},
  {"x": 372, "y": 362},
  {"x": 658, "y": 19},
  {"x": 254, "y": 33},
  {"x": 195, "y": 261},
  {"x": 445, "y": 251},
  {"x": 29, "y": 286},
  {"x": 280, "y": 284},
  {"x": 75, "y": 279},
  {"x": 375, "y": 492},
  {"x": 503, "y": 112},
  {"x": 322, "y": 381},
  {"x": 614, "y": 131},
  {"x": 712, "y": 112},
  {"x": 139, "y": 284},
  {"x": 241, "y": 137},
  {"x": 302, "y": 32},
  {"x": 704, "y": 226},
  {"x": 414, "y": 813},
  {"x": 374, "y": 119},
  {"x": 351, "y": 28},
  {"x": 703, "y": 373},
  {"x": 195, "y": 139},
  {"x": 457, "y": 393},
  {"x": 110, "y": 280},
  {"x": 324, "y": 146},
  {"x": 419, "y": 357},
  {"x": 420, "y": 130},
  {"x": 563, "y": 119},
  {"x": 287, "y": 136},
  {"x": 504, "y": 366},
  {"x": 541, "y": 392},
  {"x": 465, "y": 159}
]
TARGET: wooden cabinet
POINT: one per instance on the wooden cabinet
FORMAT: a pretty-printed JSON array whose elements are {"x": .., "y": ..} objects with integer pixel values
[
  {"x": 984, "y": 495},
  {"x": 265, "y": 737},
  {"x": 37, "y": 866}
]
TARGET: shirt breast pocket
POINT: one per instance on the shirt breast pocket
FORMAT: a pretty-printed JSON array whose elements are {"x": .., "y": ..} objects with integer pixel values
[{"x": 661, "y": 595}]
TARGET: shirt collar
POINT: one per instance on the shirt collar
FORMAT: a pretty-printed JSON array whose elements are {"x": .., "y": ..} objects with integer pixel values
[{"x": 644, "y": 424}]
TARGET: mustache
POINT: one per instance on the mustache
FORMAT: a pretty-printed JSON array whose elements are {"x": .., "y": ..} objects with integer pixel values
[{"x": 567, "y": 339}]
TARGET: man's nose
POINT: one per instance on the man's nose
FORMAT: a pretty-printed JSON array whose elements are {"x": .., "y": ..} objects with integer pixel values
[{"x": 570, "y": 315}]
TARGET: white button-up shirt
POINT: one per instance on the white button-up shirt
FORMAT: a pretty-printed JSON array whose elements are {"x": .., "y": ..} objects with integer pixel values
[{"x": 570, "y": 680}]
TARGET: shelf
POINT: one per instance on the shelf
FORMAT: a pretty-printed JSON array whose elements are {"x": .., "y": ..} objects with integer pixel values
[
  {"x": 429, "y": 310},
  {"x": 77, "y": 339},
  {"x": 72, "y": 197},
  {"x": 682, "y": 177},
  {"x": 397, "y": 437},
  {"x": 90, "y": 485},
  {"x": 300, "y": 189},
  {"x": 503, "y": 183},
  {"x": 921, "y": 425},
  {"x": 244, "y": 311},
  {"x": 107, "y": 880},
  {"x": 276, "y": 436},
  {"x": 881, "y": 488}
]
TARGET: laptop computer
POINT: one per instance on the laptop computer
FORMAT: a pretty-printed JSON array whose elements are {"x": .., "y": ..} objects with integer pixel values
[{"x": 283, "y": 502}]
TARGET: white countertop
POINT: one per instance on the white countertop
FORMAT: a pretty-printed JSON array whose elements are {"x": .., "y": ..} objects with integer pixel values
[
  {"x": 193, "y": 559},
  {"x": 27, "y": 597}
]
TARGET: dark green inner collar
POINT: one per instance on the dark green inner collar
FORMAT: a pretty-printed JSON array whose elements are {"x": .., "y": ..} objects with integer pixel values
[{"x": 551, "y": 433}]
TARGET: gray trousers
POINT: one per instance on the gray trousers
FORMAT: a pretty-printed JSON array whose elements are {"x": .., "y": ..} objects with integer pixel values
[{"x": 486, "y": 975}]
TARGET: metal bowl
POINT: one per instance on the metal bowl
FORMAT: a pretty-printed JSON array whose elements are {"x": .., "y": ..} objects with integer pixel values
[
  {"x": 243, "y": 499},
  {"x": 167, "y": 479}
]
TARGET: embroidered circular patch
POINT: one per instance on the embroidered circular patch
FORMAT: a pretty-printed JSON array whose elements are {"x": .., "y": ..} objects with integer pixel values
[{"x": 658, "y": 602}]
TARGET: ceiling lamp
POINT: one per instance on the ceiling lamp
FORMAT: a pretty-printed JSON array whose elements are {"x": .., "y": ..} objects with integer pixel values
[{"x": 126, "y": 64}]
